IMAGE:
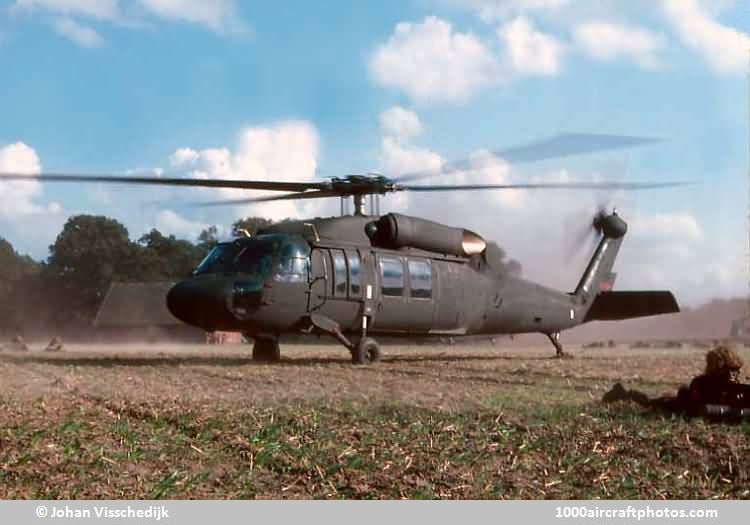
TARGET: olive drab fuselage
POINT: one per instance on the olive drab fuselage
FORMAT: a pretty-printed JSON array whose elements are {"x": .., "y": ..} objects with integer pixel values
[
  {"x": 272, "y": 283},
  {"x": 346, "y": 279}
]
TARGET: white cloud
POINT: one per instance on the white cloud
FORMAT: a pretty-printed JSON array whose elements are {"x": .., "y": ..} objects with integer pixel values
[
  {"x": 529, "y": 51},
  {"x": 99, "y": 9},
  {"x": 397, "y": 158},
  {"x": 693, "y": 280},
  {"x": 725, "y": 49},
  {"x": 183, "y": 156},
  {"x": 82, "y": 35},
  {"x": 16, "y": 197},
  {"x": 608, "y": 41},
  {"x": 169, "y": 222},
  {"x": 285, "y": 152},
  {"x": 30, "y": 225},
  {"x": 681, "y": 226},
  {"x": 19, "y": 158},
  {"x": 218, "y": 15},
  {"x": 432, "y": 63},
  {"x": 207, "y": 163},
  {"x": 494, "y": 10},
  {"x": 400, "y": 123},
  {"x": 486, "y": 168}
]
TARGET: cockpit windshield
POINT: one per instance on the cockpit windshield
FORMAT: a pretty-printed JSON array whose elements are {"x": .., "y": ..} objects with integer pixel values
[{"x": 282, "y": 255}]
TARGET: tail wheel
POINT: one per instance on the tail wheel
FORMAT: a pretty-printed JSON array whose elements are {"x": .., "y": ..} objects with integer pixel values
[{"x": 366, "y": 352}]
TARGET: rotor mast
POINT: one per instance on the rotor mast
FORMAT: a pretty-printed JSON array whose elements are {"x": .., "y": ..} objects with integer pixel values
[{"x": 359, "y": 204}]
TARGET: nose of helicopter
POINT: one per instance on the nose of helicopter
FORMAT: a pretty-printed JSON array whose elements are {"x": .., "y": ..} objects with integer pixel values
[{"x": 201, "y": 302}]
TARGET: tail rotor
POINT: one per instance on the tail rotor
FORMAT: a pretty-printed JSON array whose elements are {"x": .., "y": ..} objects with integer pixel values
[{"x": 585, "y": 235}]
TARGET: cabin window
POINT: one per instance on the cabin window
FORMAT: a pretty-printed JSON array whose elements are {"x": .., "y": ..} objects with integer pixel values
[
  {"x": 355, "y": 283},
  {"x": 420, "y": 278},
  {"x": 339, "y": 273},
  {"x": 392, "y": 274}
]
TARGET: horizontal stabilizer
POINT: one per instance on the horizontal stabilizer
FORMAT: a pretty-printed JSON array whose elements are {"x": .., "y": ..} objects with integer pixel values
[{"x": 614, "y": 306}]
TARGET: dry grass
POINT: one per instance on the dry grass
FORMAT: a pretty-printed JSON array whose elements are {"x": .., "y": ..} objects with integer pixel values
[{"x": 452, "y": 422}]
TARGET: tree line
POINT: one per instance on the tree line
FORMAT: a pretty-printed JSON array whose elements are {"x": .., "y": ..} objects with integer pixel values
[{"x": 63, "y": 293}]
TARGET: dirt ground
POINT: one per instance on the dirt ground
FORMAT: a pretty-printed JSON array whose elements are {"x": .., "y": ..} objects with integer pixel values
[
  {"x": 435, "y": 377},
  {"x": 427, "y": 421}
]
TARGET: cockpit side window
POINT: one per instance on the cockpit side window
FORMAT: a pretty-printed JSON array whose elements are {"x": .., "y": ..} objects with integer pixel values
[
  {"x": 257, "y": 259},
  {"x": 293, "y": 263},
  {"x": 219, "y": 260}
]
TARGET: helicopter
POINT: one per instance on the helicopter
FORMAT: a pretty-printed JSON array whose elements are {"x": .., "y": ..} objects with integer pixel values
[{"x": 358, "y": 276}]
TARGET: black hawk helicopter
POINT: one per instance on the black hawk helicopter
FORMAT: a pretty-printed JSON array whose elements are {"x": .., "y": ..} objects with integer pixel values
[{"x": 361, "y": 275}]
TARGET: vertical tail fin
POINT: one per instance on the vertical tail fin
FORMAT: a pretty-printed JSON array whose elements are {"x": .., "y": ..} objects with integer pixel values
[{"x": 598, "y": 275}]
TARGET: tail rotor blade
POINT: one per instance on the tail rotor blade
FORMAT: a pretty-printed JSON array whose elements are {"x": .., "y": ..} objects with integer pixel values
[{"x": 586, "y": 233}]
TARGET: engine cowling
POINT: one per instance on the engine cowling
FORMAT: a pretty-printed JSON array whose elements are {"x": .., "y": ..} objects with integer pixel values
[{"x": 398, "y": 231}]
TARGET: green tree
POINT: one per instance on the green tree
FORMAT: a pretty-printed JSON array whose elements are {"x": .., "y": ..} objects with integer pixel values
[
  {"x": 166, "y": 258},
  {"x": 14, "y": 266},
  {"x": 250, "y": 224},
  {"x": 89, "y": 253},
  {"x": 17, "y": 276},
  {"x": 208, "y": 238}
]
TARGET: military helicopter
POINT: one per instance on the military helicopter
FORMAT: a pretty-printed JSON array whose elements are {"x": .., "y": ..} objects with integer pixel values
[{"x": 356, "y": 276}]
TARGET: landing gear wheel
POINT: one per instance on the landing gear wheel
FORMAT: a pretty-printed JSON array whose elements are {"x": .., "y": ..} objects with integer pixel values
[
  {"x": 266, "y": 350},
  {"x": 366, "y": 352}
]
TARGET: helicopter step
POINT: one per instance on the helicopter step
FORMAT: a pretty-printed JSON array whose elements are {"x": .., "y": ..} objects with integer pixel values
[{"x": 366, "y": 351}]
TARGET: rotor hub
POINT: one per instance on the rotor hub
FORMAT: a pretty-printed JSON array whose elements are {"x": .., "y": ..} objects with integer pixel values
[{"x": 362, "y": 185}]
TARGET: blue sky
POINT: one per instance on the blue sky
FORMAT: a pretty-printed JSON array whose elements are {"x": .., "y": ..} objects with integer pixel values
[{"x": 282, "y": 91}]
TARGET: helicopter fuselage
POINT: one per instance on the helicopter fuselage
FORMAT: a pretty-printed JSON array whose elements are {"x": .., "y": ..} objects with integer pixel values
[{"x": 270, "y": 284}]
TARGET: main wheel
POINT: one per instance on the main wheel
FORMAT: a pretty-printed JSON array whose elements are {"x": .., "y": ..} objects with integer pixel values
[
  {"x": 367, "y": 352},
  {"x": 266, "y": 350}
]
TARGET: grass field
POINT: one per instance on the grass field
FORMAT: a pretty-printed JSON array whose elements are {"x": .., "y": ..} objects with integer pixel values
[{"x": 427, "y": 422}]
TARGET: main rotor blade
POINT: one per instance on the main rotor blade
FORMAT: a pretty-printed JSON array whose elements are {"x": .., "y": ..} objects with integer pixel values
[
  {"x": 569, "y": 144},
  {"x": 558, "y": 146},
  {"x": 318, "y": 194},
  {"x": 552, "y": 186},
  {"x": 166, "y": 181}
]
